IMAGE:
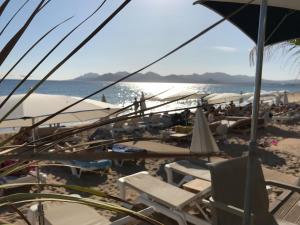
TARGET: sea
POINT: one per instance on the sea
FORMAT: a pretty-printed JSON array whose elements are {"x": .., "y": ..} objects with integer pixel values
[{"x": 124, "y": 93}]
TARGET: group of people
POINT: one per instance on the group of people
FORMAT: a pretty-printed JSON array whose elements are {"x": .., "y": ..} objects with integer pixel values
[{"x": 141, "y": 104}]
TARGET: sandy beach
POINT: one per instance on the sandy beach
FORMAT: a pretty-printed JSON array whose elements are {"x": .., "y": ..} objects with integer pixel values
[{"x": 279, "y": 154}]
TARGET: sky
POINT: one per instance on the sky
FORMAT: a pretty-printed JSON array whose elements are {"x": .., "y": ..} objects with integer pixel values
[{"x": 142, "y": 32}]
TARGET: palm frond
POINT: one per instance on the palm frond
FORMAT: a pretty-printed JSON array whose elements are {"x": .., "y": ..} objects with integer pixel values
[
  {"x": 3, "y": 6},
  {"x": 41, "y": 197},
  {"x": 84, "y": 42},
  {"x": 14, "y": 15},
  {"x": 13, "y": 207},
  {"x": 13, "y": 41},
  {"x": 286, "y": 49},
  {"x": 26, "y": 53}
]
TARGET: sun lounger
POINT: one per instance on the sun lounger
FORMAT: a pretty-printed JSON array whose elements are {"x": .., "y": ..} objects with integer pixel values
[
  {"x": 179, "y": 133},
  {"x": 124, "y": 149},
  {"x": 31, "y": 177},
  {"x": 188, "y": 169},
  {"x": 62, "y": 213},
  {"x": 119, "y": 128},
  {"x": 165, "y": 198},
  {"x": 228, "y": 189},
  {"x": 66, "y": 214},
  {"x": 89, "y": 166},
  {"x": 155, "y": 122},
  {"x": 136, "y": 124},
  {"x": 243, "y": 126},
  {"x": 287, "y": 119}
]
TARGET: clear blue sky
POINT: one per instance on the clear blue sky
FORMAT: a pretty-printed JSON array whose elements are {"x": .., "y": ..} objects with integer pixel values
[{"x": 142, "y": 32}]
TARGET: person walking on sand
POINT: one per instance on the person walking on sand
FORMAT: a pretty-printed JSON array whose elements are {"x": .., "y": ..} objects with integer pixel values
[
  {"x": 143, "y": 104},
  {"x": 136, "y": 105}
]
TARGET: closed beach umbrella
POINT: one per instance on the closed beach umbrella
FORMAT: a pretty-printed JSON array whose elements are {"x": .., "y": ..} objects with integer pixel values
[
  {"x": 39, "y": 106},
  {"x": 103, "y": 99},
  {"x": 285, "y": 98},
  {"x": 224, "y": 97},
  {"x": 202, "y": 138}
]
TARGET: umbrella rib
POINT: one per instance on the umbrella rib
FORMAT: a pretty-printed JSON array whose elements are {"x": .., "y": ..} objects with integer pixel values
[{"x": 279, "y": 24}]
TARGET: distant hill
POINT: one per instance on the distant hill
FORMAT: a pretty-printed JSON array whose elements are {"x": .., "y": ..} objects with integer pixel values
[{"x": 206, "y": 78}]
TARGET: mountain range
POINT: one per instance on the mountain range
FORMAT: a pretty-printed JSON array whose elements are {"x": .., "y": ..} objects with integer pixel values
[{"x": 205, "y": 78}]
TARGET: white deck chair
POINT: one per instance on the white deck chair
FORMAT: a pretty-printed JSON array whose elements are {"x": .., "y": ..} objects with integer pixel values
[
  {"x": 188, "y": 169},
  {"x": 66, "y": 214},
  {"x": 29, "y": 178},
  {"x": 165, "y": 198},
  {"x": 61, "y": 213}
]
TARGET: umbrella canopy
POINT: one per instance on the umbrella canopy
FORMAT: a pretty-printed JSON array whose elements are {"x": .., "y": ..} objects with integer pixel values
[
  {"x": 283, "y": 15},
  {"x": 224, "y": 97},
  {"x": 172, "y": 97},
  {"x": 210, "y": 96},
  {"x": 39, "y": 106},
  {"x": 202, "y": 139},
  {"x": 247, "y": 95},
  {"x": 265, "y": 96}
]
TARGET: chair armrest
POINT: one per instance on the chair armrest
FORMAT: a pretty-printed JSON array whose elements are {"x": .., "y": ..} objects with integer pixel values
[
  {"x": 199, "y": 196},
  {"x": 283, "y": 185}
]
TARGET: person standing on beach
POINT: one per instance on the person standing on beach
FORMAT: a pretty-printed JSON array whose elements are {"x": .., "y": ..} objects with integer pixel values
[
  {"x": 143, "y": 104},
  {"x": 103, "y": 99},
  {"x": 136, "y": 105}
]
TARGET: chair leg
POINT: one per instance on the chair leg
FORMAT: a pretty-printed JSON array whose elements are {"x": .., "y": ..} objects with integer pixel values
[
  {"x": 177, "y": 216},
  {"x": 169, "y": 173},
  {"x": 122, "y": 188}
]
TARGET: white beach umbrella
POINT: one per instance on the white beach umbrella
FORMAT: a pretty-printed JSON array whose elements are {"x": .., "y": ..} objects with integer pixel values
[
  {"x": 210, "y": 96},
  {"x": 181, "y": 94},
  {"x": 39, "y": 106},
  {"x": 247, "y": 95},
  {"x": 224, "y": 97},
  {"x": 265, "y": 96},
  {"x": 202, "y": 139}
]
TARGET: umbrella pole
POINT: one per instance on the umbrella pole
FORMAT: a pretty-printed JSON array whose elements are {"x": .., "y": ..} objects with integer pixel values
[
  {"x": 40, "y": 205},
  {"x": 255, "y": 110}
]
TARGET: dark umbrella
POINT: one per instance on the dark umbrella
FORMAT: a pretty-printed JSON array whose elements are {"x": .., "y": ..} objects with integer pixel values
[
  {"x": 267, "y": 22},
  {"x": 282, "y": 17}
]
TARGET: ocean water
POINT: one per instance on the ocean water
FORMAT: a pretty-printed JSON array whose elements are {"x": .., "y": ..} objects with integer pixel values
[{"x": 124, "y": 93}]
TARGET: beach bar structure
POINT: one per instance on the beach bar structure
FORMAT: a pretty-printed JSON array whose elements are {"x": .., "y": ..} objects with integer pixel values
[{"x": 266, "y": 22}]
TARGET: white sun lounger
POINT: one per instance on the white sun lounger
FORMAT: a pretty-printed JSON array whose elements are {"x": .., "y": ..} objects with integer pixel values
[
  {"x": 188, "y": 169},
  {"x": 165, "y": 198},
  {"x": 29, "y": 178},
  {"x": 66, "y": 214},
  {"x": 62, "y": 213}
]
